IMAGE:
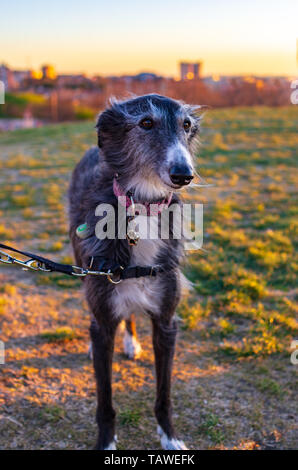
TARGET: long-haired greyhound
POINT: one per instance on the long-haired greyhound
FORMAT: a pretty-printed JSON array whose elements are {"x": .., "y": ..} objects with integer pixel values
[{"x": 144, "y": 154}]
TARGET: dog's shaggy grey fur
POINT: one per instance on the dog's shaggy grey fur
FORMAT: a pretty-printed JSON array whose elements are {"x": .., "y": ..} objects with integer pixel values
[{"x": 142, "y": 159}]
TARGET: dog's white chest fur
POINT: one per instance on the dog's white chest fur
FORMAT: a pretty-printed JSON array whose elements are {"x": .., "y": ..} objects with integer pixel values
[{"x": 142, "y": 294}]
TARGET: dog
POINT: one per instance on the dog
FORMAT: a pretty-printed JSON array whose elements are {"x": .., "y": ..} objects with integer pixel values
[{"x": 145, "y": 152}]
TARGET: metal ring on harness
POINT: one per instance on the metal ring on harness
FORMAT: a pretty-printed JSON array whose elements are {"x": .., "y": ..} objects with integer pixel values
[{"x": 109, "y": 274}]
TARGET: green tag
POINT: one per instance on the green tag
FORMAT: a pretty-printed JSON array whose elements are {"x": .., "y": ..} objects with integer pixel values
[{"x": 82, "y": 231}]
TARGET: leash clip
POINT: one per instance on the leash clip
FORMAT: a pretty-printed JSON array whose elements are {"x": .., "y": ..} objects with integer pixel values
[
  {"x": 7, "y": 258},
  {"x": 33, "y": 264},
  {"x": 79, "y": 271}
]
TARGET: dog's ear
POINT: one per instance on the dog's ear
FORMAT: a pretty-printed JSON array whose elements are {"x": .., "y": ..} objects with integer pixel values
[
  {"x": 102, "y": 125},
  {"x": 110, "y": 123},
  {"x": 197, "y": 110}
]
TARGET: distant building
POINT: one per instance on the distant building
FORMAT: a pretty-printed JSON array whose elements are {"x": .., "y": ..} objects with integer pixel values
[
  {"x": 140, "y": 77},
  {"x": 49, "y": 72},
  {"x": 13, "y": 79},
  {"x": 36, "y": 74},
  {"x": 7, "y": 77},
  {"x": 145, "y": 76},
  {"x": 75, "y": 81},
  {"x": 190, "y": 70},
  {"x": 20, "y": 76}
]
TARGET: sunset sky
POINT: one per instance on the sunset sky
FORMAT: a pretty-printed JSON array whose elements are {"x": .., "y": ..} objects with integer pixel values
[{"x": 128, "y": 36}]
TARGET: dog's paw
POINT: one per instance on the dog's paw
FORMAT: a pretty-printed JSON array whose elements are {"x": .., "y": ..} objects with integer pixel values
[
  {"x": 112, "y": 445},
  {"x": 168, "y": 443},
  {"x": 132, "y": 347}
]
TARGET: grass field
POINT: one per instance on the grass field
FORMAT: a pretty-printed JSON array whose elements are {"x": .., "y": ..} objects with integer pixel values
[{"x": 233, "y": 383}]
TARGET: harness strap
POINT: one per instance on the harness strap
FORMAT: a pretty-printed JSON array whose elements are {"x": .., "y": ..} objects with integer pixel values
[
  {"x": 140, "y": 271},
  {"x": 129, "y": 272}
]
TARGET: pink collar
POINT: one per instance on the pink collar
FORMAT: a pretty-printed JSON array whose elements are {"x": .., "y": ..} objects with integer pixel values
[{"x": 152, "y": 208}]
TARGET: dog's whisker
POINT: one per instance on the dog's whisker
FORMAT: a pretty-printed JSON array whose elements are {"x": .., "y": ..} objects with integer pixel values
[
  {"x": 201, "y": 182},
  {"x": 196, "y": 185}
]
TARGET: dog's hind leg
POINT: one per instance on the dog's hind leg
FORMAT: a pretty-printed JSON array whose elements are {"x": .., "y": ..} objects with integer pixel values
[
  {"x": 102, "y": 336},
  {"x": 132, "y": 347},
  {"x": 164, "y": 337}
]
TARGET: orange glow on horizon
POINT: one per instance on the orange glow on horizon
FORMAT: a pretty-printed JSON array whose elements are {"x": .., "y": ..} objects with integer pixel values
[
  {"x": 260, "y": 84},
  {"x": 36, "y": 74},
  {"x": 189, "y": 75},
  {"x": 166, "y": 63}
]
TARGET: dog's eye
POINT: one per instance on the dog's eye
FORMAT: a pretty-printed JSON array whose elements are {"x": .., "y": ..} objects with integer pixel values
[
  {"x": 146, "y": 124},
  {"x": 187, "y": 125}
]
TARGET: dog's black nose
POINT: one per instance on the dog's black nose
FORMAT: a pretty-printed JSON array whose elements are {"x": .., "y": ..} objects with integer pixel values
[{"x": 181, "y": 174}]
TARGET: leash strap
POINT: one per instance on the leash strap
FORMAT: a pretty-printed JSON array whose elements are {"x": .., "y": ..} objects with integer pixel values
[
  {"x": 104, "y": 267},
  {"x": 48, "y": 264}
]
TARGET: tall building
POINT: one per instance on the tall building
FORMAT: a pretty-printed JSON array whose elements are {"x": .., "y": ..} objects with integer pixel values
[
  {"x": 190, "y": 70},
  {"x": 48, "y": 71}
]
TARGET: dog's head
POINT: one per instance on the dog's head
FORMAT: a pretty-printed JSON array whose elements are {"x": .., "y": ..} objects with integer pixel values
[{"x": 148, "y": 141}]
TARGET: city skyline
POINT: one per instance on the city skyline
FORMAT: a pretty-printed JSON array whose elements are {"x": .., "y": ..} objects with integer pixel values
[
  {"x": 119, "y": 39},
  {"x": 37, "y": 73}
]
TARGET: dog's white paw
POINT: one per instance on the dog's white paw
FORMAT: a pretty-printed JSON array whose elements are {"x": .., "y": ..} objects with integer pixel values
[
  {"x": 112, "y": 445},
  {"x": 168, "y": 443},
  {"x": 132, "y": 347},
  {"x": 90, "y": 352}
]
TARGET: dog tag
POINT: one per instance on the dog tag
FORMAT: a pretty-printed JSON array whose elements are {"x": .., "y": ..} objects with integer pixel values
[
  {"x": 83, "y": 231},
  {"x": 133, "y": 237}
]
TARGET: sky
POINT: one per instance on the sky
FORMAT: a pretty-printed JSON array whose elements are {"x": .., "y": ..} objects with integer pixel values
[{"x": 128, "y": 36}]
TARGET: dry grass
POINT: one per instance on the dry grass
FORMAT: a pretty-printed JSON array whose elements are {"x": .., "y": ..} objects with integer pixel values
[{"x": 233, "y": 383}]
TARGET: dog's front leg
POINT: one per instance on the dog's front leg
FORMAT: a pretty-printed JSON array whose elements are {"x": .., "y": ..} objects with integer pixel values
[
  {"x": 164, "y": 337},
  {"x": 102, "y": 337}
]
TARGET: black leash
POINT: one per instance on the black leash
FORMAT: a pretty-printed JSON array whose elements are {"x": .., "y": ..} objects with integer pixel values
[{"x": 114, "y": 272}]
